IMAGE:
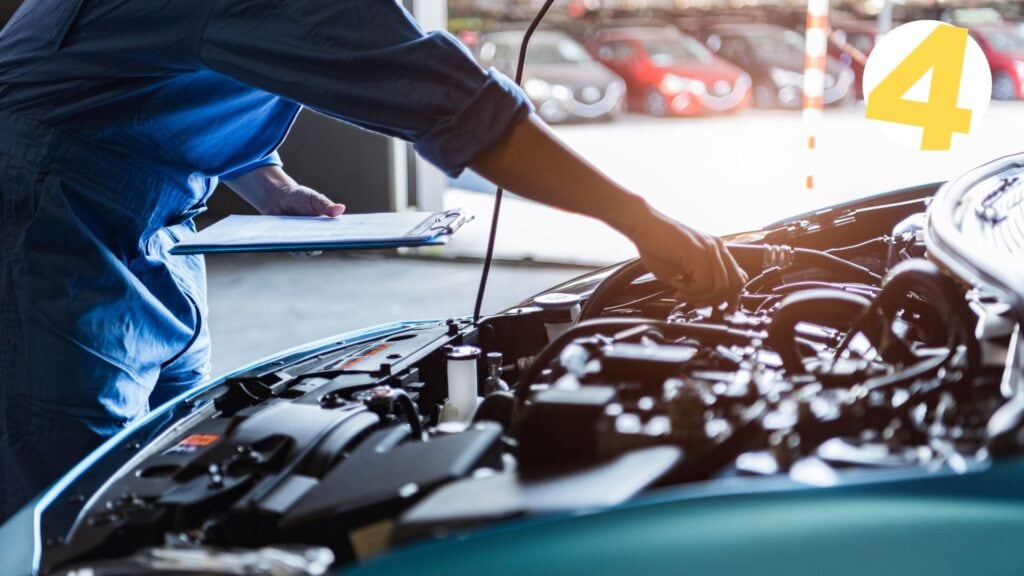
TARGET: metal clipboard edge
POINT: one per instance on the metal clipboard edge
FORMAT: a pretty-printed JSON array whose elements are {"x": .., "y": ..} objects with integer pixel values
[
  {"x": 437, "y": 240},
  {"x": 444, "y": 223}
]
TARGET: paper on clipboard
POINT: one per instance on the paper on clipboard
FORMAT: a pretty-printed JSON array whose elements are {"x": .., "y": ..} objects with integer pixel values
[{"x": 238, "y": 233}]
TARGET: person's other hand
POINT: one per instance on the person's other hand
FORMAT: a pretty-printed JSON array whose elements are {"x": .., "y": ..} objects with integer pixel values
[
  {"x": 303, "y": 201},
  {"x": 696, "y": 264}
]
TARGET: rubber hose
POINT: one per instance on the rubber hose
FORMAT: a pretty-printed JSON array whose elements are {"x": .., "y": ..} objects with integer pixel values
[
  {"x": 824, "y": 306},
  {"x": 924, "y": 279},
  {"x": 751, "y": 257},
  {"x": 611, "y": 286}
]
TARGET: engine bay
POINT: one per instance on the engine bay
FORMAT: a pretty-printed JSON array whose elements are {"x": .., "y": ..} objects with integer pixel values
[{"x": 850, "y": 351}]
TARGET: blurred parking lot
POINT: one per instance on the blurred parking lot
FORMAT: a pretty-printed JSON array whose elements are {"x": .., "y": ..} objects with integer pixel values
[
  {"x": 730, "y": 155},
  {"x": 724, "y": 175}
]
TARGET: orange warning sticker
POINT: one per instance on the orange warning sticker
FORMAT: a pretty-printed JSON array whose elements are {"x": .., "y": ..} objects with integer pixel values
[
  {"x": 363, "y": 356},
  {"x": 199, "y": 440},
  {"x": 192, "y": 443}
]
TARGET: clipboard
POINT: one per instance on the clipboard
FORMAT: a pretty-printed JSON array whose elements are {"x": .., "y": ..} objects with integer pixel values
[{"x": 238, "y": 233}]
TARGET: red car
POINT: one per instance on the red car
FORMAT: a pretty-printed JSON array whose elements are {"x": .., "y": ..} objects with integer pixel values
[
  {"x": 851, "y": 35},
  {"x": 1003, "y": 45},
  {"x": 668, "y": 73}
]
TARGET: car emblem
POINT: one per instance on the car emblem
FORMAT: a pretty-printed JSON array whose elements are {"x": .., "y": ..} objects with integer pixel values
[
  {"x": 590, "y": 94},
  {"x": 721, "y": 88}
]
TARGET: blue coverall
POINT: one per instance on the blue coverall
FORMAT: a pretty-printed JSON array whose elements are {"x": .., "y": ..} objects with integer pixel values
[{"x": 117, "y": 117}]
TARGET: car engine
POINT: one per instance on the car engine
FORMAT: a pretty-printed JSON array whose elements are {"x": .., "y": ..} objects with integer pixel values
[{"x": 850, "y": 352}]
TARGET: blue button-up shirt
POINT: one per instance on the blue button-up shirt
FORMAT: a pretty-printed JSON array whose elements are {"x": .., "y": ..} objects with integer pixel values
[{"x": 210, "y": 87}]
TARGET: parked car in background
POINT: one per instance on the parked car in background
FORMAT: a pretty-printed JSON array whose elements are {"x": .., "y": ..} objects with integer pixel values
[
  {"x": 562, "y": 80},
  {"x": 1003, "y": 45},
  {"x": 774, "y": 58},
  {"x": 851, "y": 40},
  {"x": 669, "y": 73}
]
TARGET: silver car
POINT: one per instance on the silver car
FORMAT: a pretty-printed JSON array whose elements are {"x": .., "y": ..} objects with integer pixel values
[{"x": 562, "y": 80}]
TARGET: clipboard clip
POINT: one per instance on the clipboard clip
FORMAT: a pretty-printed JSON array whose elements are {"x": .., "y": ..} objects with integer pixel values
[{"x": 449, "y": 221}]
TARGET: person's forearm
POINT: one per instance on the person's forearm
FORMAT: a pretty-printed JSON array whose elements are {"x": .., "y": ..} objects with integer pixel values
[
  {"x": 263, "y": 187},
  {"x": 531, "y": 162}
]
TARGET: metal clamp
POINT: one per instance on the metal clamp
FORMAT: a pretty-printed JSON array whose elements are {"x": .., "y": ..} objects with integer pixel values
[
  {"x": 448, "y": 222},
  {"x": 777, "y": 256}
]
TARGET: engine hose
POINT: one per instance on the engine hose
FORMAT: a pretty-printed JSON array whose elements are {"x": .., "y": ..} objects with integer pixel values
[
  {"x": 755, "y": 284},
  {"x": 412, "y": 415},
  {"x": 751, "y": 257},
  {"x": 713, "y": 332},
  {"x": 827, "y": 307},
  {"x": 921, "y": 278},
  {"x": 837, "y": 264},
  {"x": 764, "y": 256},
  {"x": 610, "y": 286},
  {"x": 779, "y": 292}
]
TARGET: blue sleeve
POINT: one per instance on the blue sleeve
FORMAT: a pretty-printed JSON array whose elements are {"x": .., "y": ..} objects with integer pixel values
[
  {"x": 368, "y": 63},
  {"x": 272, "y": 159}
]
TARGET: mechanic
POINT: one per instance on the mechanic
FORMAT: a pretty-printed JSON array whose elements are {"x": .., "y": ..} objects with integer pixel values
[{"x": 117, "y": 119}]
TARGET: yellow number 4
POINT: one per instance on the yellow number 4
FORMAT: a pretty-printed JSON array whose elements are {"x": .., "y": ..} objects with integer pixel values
[{"x": 943, "y": 53}]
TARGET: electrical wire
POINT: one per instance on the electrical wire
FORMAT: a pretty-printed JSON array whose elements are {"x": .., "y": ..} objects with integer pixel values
[
  {"x": 842, "y": 250},
  {"x": 499, "y": 191},
  {"x": 639, "y": 301}
]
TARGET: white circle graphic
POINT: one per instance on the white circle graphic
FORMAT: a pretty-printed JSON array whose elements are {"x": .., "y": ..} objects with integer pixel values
[{"x": 891, "y": 52}]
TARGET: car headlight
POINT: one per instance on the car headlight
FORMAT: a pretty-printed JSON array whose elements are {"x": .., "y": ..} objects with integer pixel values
[
  {"x": 673, "y": 83},
  {"x": 786, "y": 77},
  {"x": 846, "y": 76},
  {"x": 537, "y": 89},
  {"x": 1018, "y": 67},
  {"x": 561, "y": 92}
]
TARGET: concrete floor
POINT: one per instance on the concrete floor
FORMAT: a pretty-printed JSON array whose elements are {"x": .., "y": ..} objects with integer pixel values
[{"x": 264, "y": 303}]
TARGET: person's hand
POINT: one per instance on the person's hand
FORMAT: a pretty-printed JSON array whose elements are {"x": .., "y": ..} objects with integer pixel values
[
  {"x": 302, "y": 201},
  {"x": 272, "y": 192},
  {"x": 694, "y": 263}
]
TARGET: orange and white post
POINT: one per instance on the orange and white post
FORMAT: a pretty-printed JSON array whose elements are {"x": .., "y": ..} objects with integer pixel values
[{"x": 815, "y": 58}]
